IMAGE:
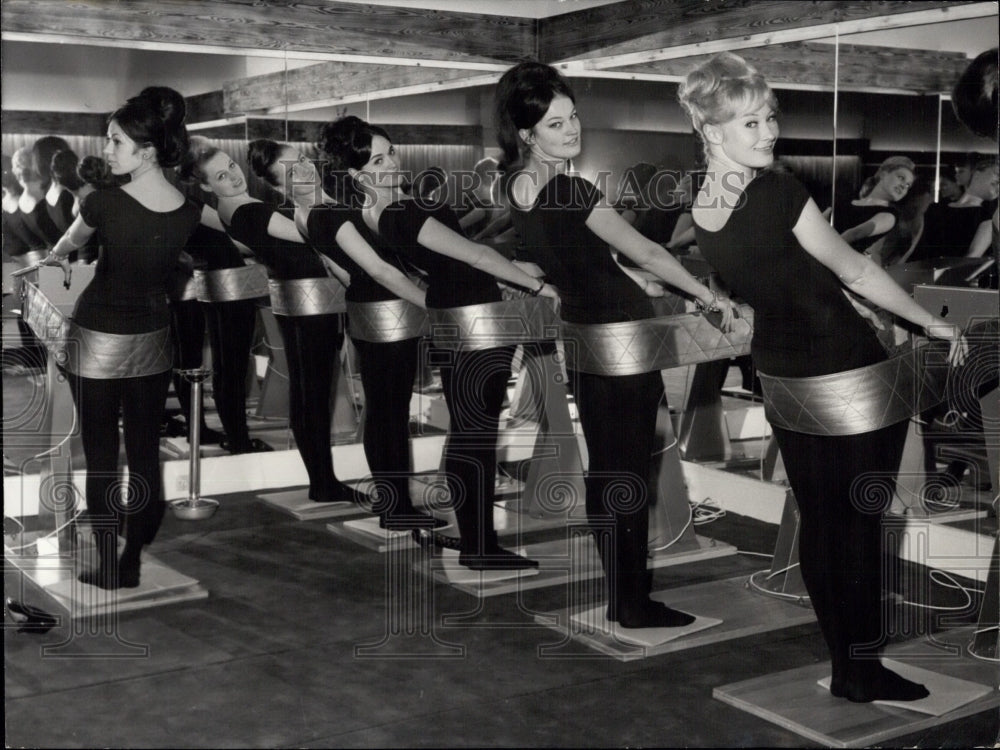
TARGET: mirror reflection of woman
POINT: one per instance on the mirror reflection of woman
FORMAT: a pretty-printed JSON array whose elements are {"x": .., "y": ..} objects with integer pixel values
[
  {"x": 312, "y": 342},
  {"x": 459, "y": 273},
  {"x": 59, "y": 201},
  {"x": 143, "y": 227},
  {"x": 865, "y": 220},
  {"x": 566, "y": 227},
  {"x": 779, "y": 254},
  {"x": 31, "y": 202},
  {"x": 68, "y": 176},
  {"x": 230, "y": 321},
  {"x": 336, "y": 230}
]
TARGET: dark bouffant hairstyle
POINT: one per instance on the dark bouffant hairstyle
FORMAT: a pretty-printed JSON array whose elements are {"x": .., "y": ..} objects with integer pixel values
[
  {"x": 200, "y": 150},
  {"x": 63, "y": 167},
  {"x": 42, "y": 152},
  {"x": 262, "y": 154},
  {"x": 347, "y": 142},
  {"x": 522, "y": 98},
  {"x": 95, "y": 171},
  {"x": 974, "y": 97},
  {"x": 156, "y": 118}
]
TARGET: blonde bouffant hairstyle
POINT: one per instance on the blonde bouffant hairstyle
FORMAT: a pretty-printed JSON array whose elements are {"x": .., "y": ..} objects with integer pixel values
[{"x": 720, "y": 89}]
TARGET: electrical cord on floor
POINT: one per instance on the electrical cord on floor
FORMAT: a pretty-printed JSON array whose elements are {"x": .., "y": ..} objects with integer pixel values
[
  {"x": 941, "y": 578},
  {"x": 754, "y": 585}
]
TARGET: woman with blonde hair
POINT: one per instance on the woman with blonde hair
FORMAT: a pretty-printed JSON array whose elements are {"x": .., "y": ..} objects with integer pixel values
[
  {"x": 770, "y": 244},
  {"x": 566, "y": 226}
]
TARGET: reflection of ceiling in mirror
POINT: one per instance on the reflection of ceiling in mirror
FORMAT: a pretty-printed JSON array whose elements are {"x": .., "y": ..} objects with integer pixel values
[
  {"x": 522, "y": 8},
  {"x": 971, "y": 36}
]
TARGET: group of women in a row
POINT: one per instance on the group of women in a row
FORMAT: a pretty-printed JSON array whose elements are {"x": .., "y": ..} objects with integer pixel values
[{"x": 775, "y": 251}]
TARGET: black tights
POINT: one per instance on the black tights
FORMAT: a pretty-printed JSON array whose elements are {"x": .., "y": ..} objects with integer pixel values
[
  {"x": 387, "y": 374},
  {"x": 474, "y": 385},
  {"x": 618, "y": 417},
  {"x": 312, "y": 348},
  {"x": 140, "y": 402},
  {"x": 188, "y": 329},
  {"x": 842, "y": 485},
  {"x": 230, "y": 334}
]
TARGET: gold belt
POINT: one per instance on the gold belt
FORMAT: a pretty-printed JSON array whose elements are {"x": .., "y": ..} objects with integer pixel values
[
  {"x": 321, "y": 295},
  {"x": 95, "y": 354},
  {"x": 386, "y": 320},
  {"x": 637, "y": 346},
  {"x": 493, "y": 324},
  {"x": 189, "y": 290},
  {"x": 869, "y": 398},
  {"x": 232, "y": 284}
]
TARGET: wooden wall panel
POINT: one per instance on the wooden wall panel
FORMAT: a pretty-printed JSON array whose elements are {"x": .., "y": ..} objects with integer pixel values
[
  {"x": 55, "y": 123},
  {"x": 323, "y": 26},
  {"x": 328, "y": 80},
  {"x": 639, "y": 25}
]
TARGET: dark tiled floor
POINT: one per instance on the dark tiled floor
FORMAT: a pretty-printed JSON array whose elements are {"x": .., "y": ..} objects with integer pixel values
[{"x": 271, "y": 659}]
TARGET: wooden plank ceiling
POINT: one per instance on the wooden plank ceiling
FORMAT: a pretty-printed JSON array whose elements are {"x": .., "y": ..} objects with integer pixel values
[{"x": 369, "y": 51}]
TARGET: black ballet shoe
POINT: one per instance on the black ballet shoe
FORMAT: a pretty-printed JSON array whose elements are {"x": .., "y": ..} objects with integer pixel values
[
  {"x": 341, "y": 493},
  {"x": 254, "y": 445},
  {"x": 174, "y": 427},
  {"x": 429, "y": 539},
  {"x": 208, "y": 436},
  {"x": 30, "y": 619},
  {"x": 650, "y": 614},
  {"x": 497, "y": 558},
  {"x": 126, "y": 577},
  {"x": 100, "y": 578},
  {"x": 878, "y": 684},
  {"x": 410, "y": 519}
]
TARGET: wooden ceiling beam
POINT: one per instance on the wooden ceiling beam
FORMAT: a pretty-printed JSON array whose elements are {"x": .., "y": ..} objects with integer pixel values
[
  {"x": 295, "y": 27},
  {"x": 640, "y": 31},
  {"x": 815, "y": 65}
]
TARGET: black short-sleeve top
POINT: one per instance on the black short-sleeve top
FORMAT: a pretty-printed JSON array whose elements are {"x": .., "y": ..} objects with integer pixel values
[
  {"x": 17, "y": 238},
  {"x": 322, "y": 225},
  {"x": 553, "y": 234},
  {"x": 804, "y": 324},
  {"x": 451, "y": 283},
  {"x": 949, "y": 229},
  {"x": 213, "y": 250},
  {"x": 41, "y": 224},
  {"x": 139, "y": 251},
  {"x": 847, "y": 215},
  {"x": 61, "y": 213},
  {"x": 285, "y": 260}
]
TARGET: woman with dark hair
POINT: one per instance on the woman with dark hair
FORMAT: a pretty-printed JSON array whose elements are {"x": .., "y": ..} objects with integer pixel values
[
  {"x": 305, "y": 309},
  {"x": 58, "y": 198},
  {"x": 779, "y": 254},
  {"x": 459, "y": 273},
  {"x": 118, "y": 353},
  {"x": 67, "y": 180},
  {"x": 566, "y": 227},
  {"x": 378, "y": 288}
]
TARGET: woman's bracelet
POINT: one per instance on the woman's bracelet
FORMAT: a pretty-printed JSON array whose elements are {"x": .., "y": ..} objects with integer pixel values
[
  {"x": 536, "y": 292},
  {"x": 712, "y": 306}
]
